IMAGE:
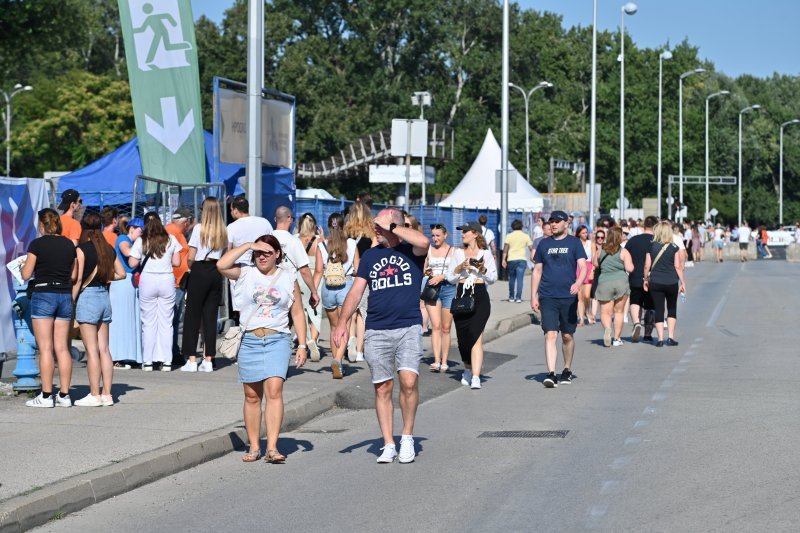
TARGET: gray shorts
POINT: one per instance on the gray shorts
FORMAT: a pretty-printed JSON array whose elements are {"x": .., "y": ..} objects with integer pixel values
[
  {"x": 388, "y": 351},
  {"x": 611, "y": 290}
]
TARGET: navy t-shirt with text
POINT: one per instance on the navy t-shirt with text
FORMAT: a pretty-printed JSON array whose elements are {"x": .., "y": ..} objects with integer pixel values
[
  {"x": 559, "y": 258},
  {"x": 394, "y": 279}
]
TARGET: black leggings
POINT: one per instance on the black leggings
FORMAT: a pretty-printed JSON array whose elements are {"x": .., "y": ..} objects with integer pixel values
[
  {"x": 203, "y": 296},
  {"x": 470, "y": 327},
  {"x": 662, "y": 294}
]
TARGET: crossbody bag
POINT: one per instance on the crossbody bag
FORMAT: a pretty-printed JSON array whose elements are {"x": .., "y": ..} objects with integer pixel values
[
  {"x": 431, "y": 292},
  {"x": 658, "y": 256}
]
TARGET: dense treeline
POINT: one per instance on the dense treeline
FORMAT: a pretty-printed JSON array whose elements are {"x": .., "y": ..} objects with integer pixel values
[{"x": 353, "y": 66}]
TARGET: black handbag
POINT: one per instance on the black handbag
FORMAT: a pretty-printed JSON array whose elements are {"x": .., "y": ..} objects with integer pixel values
[
  {"x": 464, "y": 304},
  {"x": 430, "y": 293},
  {"x": 596, "y": 276}
]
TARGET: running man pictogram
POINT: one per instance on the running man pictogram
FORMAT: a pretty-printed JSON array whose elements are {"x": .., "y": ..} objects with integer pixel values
[{"x": 158, "y": 24}]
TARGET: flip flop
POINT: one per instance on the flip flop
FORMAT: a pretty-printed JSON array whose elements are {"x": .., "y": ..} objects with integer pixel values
[
  {"x": 274, "y": 457},
  {"x": 435, "y": 367}
]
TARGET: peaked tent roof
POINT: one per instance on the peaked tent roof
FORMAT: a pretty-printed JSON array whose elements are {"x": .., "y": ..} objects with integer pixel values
[{"x": 477, "y": 188}]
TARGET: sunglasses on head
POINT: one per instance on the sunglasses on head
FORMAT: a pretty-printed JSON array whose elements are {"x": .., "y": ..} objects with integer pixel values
[{"x": 438, "y": 226}]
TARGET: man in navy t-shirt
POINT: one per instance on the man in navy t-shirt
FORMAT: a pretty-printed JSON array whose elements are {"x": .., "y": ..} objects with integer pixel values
[
  {"x": 559, "y": 271},
  {"x": 393, "y": 340}
]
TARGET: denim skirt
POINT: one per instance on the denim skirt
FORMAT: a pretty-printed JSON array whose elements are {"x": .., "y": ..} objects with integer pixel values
[{"x": 264, "y": 357}]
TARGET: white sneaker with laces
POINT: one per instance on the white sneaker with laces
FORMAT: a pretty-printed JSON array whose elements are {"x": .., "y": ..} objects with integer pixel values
[
  {"x": 407, "y": 453},
  {"x": 389, "y": 454},
  {"x": 107, "y": 401},
  {"x": 166, "y": 367},
  {"x": 351, "y": 349},
  {"x": 359, "y": 357},
  {"x": 475, "y": 383},
  {"x": 466, "y": 378},
  {"x": 89, "y": 401},
  {"x": 617, "y": 342},
  {"x": 189, "y": 367},
  {"x": 66, "y": 401},
  {"x": 205, "y": 366},
  {"x": 313, "y": 350},
  {"x": 41, "y": 401}
]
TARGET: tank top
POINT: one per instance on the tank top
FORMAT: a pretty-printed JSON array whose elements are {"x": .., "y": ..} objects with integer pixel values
[
  {"x": 89, "y": 264},
  {"x": 439, "y": 265},
  {"x": 613, "y": 268}
]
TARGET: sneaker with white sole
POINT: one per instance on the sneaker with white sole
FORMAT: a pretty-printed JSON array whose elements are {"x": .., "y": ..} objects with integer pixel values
[
  {"x": 607, "y": 334},
  {"x": 637, "y": 332},
  {"x": 147, "y": 367},
  {"x": 205, "y": 366},
  {"x": 352, "y": 342},
  {"x": 166, "y": 367},
  {"x": 359, "y": 357},
  {"x": 89, "y": 401},
  {"x": 107, "y": 401},
  {"x": 313, "y": 350},
  {"x": 41, "y": 401},
  {"x": 389, "y": 454},
  {"x": 189, "y": 367},
  {"x": 475, "y": 383},
  {"x": 466, "y": 378},
  {"x": 407, "y": 453},
  {"x": 617, "y": 342},
  {"x": 66, "y": 401}
]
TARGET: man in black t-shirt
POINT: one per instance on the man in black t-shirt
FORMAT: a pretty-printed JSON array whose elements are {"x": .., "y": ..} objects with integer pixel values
[{"x": 638, "y": 247}]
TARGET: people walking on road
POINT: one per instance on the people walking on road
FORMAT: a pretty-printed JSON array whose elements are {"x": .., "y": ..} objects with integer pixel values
[
  {"x": 51, "y": 261},
  {"x": 641, "y": 302},
  {"x": 585, "y": 294},
  {"x": 359, "y": 226},
  {"x": 98, "y": 266},
  {"x": 310, "y": 235},
  {"x": 611, "y": 266},
  {"x": 719, "y": 242},
  {"x": 697, "y": 244},
  {"x": 516, "y": 251},
  {"x": 743, "y": 236},
  {"x": 663, "y": 278},
  {"x": 125, "y": 331},
  {"x": 412, "y": 222},
  {"x": 178, "y": 227},
  {"x": 209, "y": 240},
  {"x": 393, "y": 341},
  {"x": 70, "y": 205},
  {"x": 597, "y": 244},
  {"x": 437, "y": 263},
  {"x": 155, "y": 253},
  {"x": 471, "y": 269},
  {"x": 559, "y": 272},
  {"x": 335, "y": 263},
  {"x": 266, "y": 296},
  {"x": 764, "y": 237}
]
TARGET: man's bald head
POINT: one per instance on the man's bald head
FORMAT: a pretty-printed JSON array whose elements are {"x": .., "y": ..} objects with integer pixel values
[{"x": 283, "y": 218}]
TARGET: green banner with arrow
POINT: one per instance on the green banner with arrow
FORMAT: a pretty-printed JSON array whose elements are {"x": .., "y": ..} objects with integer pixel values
[{"x": 165, "y": 88}]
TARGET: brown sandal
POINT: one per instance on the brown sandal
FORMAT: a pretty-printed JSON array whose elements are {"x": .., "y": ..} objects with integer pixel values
[
  {"x": 274, "y": 456},
  {"x": 251, "y": 456}
]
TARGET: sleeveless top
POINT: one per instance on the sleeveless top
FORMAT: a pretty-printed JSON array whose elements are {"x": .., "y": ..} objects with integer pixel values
[
  {"x": 440, "y": 265},
  {"x": 613, "y": 268}
]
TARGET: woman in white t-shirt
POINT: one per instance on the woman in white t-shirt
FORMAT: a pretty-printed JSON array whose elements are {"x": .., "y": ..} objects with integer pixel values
[
  {"x": 265, "y": 295},
  {"x": 207, "y": 243},
  {"x": 157, "y": 252}
]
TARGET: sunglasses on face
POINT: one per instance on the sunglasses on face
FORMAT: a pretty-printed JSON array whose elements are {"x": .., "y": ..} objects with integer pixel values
[{"x": 264, "y": 254}]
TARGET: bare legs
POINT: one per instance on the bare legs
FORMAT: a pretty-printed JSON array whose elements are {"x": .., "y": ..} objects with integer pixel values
[
  {"x": 98, "y": 357},
  {"x": 585, "y": 305},
  {"x": 441, "y": 321},
  {"x": 551, "y": 349},
  {"x": 672, "y": 323},
  {"x": 384, "y": 408},
  {"x": 53, "y": 336},
  {"x": 333, "y": 318},
  {"x": 273, "y": 417},
  {"x": 613, "y": 309}
]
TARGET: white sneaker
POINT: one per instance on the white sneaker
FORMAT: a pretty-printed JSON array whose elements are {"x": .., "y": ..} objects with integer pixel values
[
  {"x": 89, "y": 401},
  {"x": 359, "y": 357},
  {"x": 66, "y": 401},
  {"x": 466, "y": 378},
  {"x": 313, "y": 350},
  {"x": 189, "y": 367},
  {"x": 407, "y": 453},
  {"x": 147, "y": 367},
  {"x": 389, "y": 454},
  {"x": 205, "y": 366},
  {"x": 41, "y": 401},
  {"x": 166, "y": 367},
  {"x": 475, "y": 383},
  {"x": 107, "y": 401},
  {"x": 352, "y": 342},
  {"x": 617, "y": 342}
]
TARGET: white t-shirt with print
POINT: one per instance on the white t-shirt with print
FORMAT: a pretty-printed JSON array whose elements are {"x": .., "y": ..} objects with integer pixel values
[
  {"x": 351, "y": 254},
  {"x": 247, "y": 229},
  {"x": 271, "y": 304},
  {"x": 294, "y": 253},
  {"x": 744, "y": 234},
  {"x": 203, "y": 252},
  {"x": 157, "y": 265}
]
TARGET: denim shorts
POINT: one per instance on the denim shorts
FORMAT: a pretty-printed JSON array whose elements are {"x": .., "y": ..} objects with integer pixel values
[
  {"x": 264, "y": 357},
  {"x": 390, "y": 350},
  {"x": 333, "y": 298},
  {"x": 445, "y": 295},
  {"x": 56, "y": 305},
  {"x": 94, "y": 306}
]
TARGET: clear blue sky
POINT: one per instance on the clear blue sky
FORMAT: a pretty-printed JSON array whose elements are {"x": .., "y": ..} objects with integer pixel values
[{"x": 739, "y": 36}]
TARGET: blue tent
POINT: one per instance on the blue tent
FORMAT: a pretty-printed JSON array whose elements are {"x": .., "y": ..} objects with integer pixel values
[{"x": 109, "y": 180}]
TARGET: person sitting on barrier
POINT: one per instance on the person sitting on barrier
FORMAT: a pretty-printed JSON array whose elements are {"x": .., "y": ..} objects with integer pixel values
[{"x": 125, "y": 331}]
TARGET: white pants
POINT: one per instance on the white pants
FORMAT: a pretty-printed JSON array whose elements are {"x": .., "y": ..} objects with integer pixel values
[{"x": 157, "y": 303}]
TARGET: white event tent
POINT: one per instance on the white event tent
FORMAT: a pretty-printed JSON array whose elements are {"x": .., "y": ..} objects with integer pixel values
[{"x": 477, "y": 188}]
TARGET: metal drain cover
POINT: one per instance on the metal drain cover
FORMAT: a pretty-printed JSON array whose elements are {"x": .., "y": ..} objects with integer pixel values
[{"x": 554, "y": 434}]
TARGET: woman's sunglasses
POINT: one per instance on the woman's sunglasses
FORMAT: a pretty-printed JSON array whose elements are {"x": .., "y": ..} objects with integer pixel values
[{"x": 263, "y": 254}]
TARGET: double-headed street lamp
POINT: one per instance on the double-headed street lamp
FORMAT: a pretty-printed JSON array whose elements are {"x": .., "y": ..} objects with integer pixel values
[
  {"x": 680, "y": 131},
  {"x": 628, "y": 9},
  {"x": 666, "y": 54},
  {"x": 747, "y": 109},
  {"x": 18, "y": 88},
  {"x": 526, "y": 96},
  {"x": 708, "y": 98},
  {"x": 780, "y": 187}
]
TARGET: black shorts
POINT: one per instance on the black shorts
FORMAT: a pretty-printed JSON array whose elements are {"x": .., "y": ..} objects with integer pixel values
[
  {"x": 559, "y": 314},
  {"x": 642, "y": 298},
  {"x": 743, "y": 245}
]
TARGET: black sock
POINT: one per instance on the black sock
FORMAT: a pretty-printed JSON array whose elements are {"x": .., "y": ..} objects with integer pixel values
[
  {"x": 46, "y": 394},
  {"x": 62, "y": 394}
]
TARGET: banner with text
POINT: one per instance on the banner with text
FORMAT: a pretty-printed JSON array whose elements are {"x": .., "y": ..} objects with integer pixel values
[{"x": 165, "y": 88}]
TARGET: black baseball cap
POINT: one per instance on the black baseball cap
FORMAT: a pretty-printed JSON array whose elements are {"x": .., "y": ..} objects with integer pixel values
[
  {"x": 182, "y": 212},
  {"x": 558, "y": 216},
  {"x": 470, "y": 226},
  {"x": 67, "y": 197}
]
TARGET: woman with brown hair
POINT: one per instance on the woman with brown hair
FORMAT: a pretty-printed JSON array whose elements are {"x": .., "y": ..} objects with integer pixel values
[
  {"x": 98, "y": 266},
  {"x": 612, "y": 265},
  {"x": 156, "y": 252},
  {"x": 585, "y": 294}
]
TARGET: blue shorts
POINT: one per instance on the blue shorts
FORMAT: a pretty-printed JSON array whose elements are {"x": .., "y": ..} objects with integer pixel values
[
  {"x": 559, "y": 314},
  {"x": 56, "y": 305},
  {"x": 445, "y": 295},
  {"x": 333, "y": 298},
  {"x": 94, "y": 306},
  {"x": 264, "y": 357}
]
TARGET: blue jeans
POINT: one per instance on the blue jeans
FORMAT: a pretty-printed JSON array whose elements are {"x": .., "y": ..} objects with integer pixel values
[{"x": 516, "y": 277}]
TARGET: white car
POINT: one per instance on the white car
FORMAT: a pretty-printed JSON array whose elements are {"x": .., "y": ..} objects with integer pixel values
[{"x": 781, "y": 237}]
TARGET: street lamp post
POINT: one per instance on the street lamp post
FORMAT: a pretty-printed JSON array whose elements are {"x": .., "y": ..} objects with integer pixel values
[
  {"x": 593, "y": 120},
  {"x": 628, "y": 9},
  {"x": 666, "y": 54},
  {"x": 680, "y": 131},
  {"x": 747, "y": 109},
  {"x": 18, "y": 88},
  {"x": 708, "y": 98},
  {"x": 780, "y": 187},
  {"x": 527, "y": 96},
  {"x": 422, "y": 99}
]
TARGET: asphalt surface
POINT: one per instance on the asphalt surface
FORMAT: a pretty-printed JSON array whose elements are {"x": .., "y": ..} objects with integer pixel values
[{"x": 698, "y": 437}]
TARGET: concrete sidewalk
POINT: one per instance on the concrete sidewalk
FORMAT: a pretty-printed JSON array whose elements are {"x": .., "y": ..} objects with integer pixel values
[{"x": 56, "y": 461}]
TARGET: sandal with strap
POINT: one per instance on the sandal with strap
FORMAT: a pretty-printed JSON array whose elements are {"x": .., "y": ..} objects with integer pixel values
[
  {"x": 443, "y": 368},
  {"x": 435, "y": 367},
  {"x": 251, "y": 456},
  {"x": 274, "y": 456}
]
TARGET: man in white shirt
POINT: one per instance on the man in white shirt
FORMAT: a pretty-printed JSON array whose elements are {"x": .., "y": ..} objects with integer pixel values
[
  {"x": 295, "y": 256},
  {"x": 743, "y": 236},
  {"x": 488, "y": 235},
  {"x": 245, "y": 228}
]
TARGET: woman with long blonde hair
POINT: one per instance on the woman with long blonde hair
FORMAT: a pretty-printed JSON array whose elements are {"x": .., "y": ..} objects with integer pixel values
[
  {"x": 208, "y": 242},
  {"x": 310, "y": 234},
  {"x": 663, "y": 279},
  {"x": 360, "y": 226}
]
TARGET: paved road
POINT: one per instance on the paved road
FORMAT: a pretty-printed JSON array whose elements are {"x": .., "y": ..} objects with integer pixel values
[{"x": 698, "y": 437}]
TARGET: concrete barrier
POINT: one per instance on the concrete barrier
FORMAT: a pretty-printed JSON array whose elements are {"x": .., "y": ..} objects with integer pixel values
[{"x": 730, "y": 252}]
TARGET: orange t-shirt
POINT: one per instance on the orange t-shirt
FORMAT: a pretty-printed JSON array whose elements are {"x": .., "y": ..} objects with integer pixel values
[
  {"x": 70, "y": 228},
  {"x": 179, "y": 271},
  {"x": 111, "y": 238}
]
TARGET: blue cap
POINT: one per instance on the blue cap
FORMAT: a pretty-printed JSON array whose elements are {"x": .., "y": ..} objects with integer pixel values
[{"x": 136, "y": 223}]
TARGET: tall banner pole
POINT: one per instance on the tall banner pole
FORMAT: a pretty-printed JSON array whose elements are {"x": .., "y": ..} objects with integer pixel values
[{"x": 255, "y": 66}]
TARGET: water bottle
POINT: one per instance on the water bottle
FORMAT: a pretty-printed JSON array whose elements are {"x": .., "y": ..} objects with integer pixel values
[{"x": 683, "y": 297}]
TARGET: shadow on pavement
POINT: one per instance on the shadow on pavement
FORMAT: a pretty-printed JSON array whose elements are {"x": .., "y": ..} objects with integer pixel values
[{"x": 373, "y": 446}]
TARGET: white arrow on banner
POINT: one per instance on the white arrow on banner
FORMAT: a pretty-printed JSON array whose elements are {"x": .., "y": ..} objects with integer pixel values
[{"x": 172, "y": 134}]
